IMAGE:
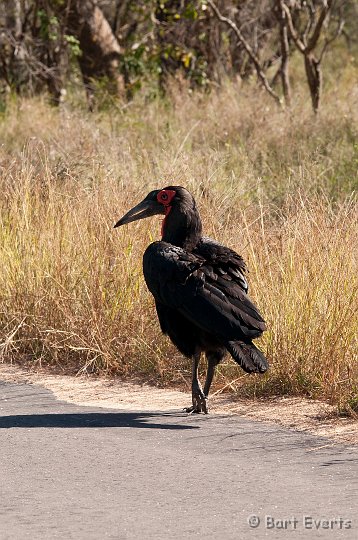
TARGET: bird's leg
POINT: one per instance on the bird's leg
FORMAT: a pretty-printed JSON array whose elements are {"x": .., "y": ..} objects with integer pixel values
[
  {"x": 209, "y": 376},
  {"x": 198, "y": 397},
  {"x": 213, "y": 361}
]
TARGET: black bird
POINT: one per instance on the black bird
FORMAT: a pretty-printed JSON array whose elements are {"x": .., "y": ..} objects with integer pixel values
[{"x": 200, "y": 290}]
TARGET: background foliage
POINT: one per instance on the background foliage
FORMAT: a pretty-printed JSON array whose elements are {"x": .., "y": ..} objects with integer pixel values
[{"x": 46, "y": 43}]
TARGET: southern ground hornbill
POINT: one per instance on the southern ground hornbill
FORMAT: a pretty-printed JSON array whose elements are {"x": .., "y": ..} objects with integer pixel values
[{"x": 200, "y": 290}]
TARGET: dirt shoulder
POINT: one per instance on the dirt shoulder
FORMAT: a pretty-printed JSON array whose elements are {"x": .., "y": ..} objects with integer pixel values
[{"x": 296, "y": 413}]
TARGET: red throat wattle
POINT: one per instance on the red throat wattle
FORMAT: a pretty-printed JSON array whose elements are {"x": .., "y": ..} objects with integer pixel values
[
  {"x": 167, "y": 212},
  {"x": 165, "y": 196}
]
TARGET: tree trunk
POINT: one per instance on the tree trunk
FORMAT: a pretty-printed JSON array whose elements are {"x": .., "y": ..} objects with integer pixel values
[
  {"x": 13, "y": 17},
  {"x": 15, "y": 66},
  {"x": 314, "y": 79},
  {"x": 285, "y": 55},
  {"x": 101, "y": 52}
]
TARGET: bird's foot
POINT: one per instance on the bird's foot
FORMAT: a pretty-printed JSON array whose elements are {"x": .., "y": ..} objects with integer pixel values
[{"x": 200, "y": 404}]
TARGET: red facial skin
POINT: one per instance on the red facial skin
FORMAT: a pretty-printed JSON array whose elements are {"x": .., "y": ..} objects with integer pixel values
[{"x": 164, "y": 197}]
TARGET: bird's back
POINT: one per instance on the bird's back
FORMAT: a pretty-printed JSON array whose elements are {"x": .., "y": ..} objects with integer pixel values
[{"x": 207, "y": 286}]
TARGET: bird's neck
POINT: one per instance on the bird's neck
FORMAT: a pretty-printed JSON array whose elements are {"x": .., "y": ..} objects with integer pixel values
[{"x": 182, "y": 228}]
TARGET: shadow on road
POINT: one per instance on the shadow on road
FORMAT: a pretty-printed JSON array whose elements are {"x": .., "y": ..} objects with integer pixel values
[{"x": 89, "y": 420}]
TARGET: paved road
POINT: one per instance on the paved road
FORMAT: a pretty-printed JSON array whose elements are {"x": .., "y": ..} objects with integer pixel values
[{"x": 78, "y": 472}]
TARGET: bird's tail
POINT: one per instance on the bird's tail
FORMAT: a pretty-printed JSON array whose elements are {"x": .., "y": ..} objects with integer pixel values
[{"x": 248, "y": 356}]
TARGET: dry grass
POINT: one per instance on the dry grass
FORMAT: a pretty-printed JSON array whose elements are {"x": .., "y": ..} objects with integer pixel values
[{"x": 277, "y": 186}]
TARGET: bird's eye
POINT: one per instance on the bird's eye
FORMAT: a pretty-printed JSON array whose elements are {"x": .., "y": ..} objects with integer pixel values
[{"x": 165, "y": 196}]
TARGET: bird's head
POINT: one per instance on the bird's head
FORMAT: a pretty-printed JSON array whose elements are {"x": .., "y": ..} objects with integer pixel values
[
  {"x": 176, "y": 204},
  {"x": 158, "y": 201}
]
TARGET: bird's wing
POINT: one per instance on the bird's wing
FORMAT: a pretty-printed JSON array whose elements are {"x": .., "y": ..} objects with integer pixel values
[
  {"x": 226, "y": 261},
  {"x": 201, "y": 292}
]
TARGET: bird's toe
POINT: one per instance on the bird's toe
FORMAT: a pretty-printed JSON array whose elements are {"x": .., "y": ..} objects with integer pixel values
[{"x": 200, "y": 404}]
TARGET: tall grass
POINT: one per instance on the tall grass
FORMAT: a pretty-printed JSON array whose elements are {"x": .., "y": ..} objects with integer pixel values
[{"x": 277, "y": 186}]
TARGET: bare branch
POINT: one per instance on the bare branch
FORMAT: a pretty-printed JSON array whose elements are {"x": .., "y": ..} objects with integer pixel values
[
  {"x": 261, "y": 75},
  {"x": 310, "y": 22},
  {"x": 300, "y": 42},
  {"x": 296, "y": 38},
  {"x": 327, "y": 6},
  {"x": 327, "y": 42},
  {"x": 285, "y": 53}
]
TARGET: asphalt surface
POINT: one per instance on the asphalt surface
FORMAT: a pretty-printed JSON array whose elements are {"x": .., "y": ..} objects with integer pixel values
[{"x": 91, "y": 473}]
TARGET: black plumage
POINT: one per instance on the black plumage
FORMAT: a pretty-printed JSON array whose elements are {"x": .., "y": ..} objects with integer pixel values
[{"x": 200, "y": 290}]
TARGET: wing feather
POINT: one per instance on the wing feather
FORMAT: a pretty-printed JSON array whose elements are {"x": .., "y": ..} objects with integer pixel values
[{"x": 202, "y": 290}]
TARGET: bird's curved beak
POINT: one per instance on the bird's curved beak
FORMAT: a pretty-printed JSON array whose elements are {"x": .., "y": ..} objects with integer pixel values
[{"x": 144, "y": 209}]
